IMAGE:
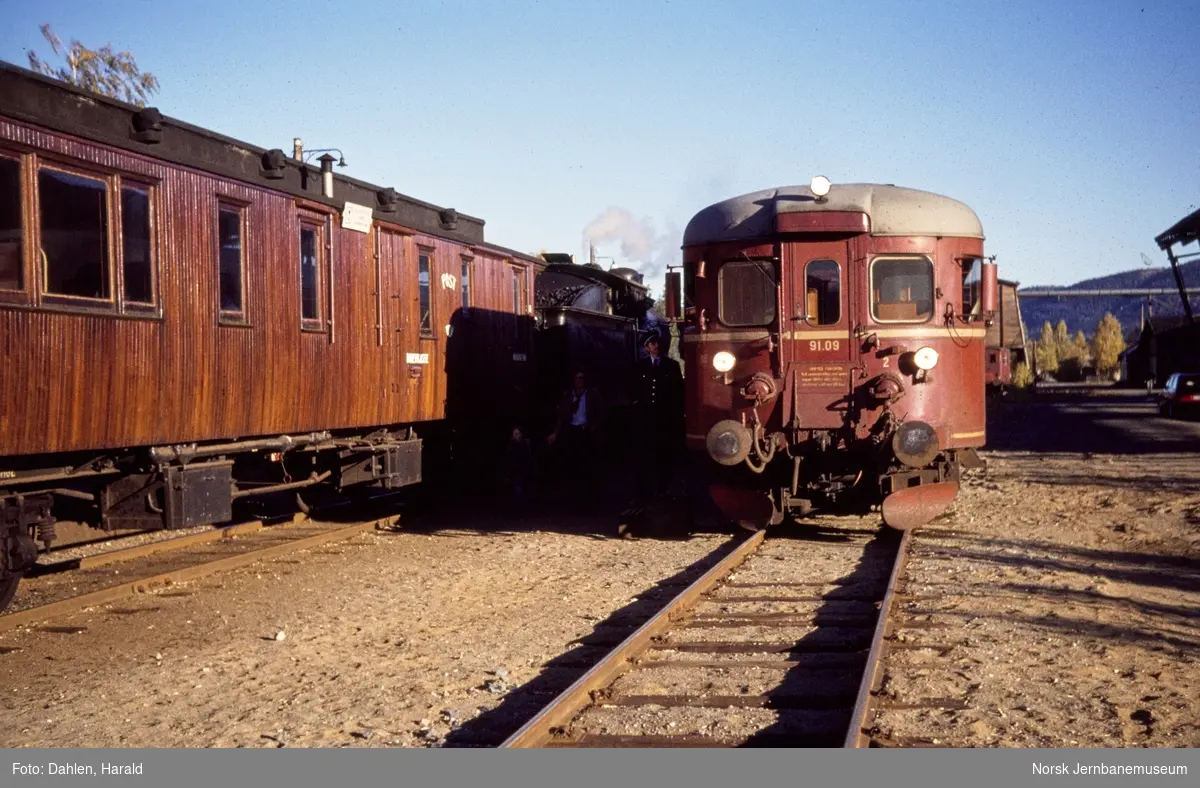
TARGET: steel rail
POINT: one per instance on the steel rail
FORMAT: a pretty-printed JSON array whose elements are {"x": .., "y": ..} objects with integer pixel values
[
  {"x": 857, "y": 736},
  {"x": 540, "y": 730},
  {"x": 10, "y": 621}
]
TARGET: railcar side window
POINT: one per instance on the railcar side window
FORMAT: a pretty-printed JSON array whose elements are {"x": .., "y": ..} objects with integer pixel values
[
  {"x": 823, "y": 292},
  {"x": 746, "y": 292},
  {"x": 11, "y": 240},
  {"x": 310, "y": 275},
  {"x": 466, "y": 283},
  {"x": 423, "y": 292},
  {"x": 230, "y": 261},
  {"x": 902, "y": 289},
  {"x": 135, "y": 243},
  {"x": 972, "y": 292},
  {"x": 74, "y": 214}
]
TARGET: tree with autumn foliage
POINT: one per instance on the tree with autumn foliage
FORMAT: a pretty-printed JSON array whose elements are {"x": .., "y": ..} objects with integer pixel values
[
  {"x": 1046, "y": 351},
  {"x": 1107, "y": 345},
  {"x": 103, "y": 71},
  {"x": 1022, "y": 376},
  {"x": 1062, "y": 342},
  {"x": 1083, "y": 350}
]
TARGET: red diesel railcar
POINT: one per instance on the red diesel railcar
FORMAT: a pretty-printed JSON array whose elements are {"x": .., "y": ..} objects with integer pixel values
[{"x": 834, "y": 346}]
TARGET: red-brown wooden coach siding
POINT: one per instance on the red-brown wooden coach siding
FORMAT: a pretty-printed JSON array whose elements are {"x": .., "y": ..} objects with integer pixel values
[{"x": 72, "y": 381}]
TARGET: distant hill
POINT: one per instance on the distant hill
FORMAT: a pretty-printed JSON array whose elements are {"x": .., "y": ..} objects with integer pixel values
[{"x": 1083, "y": 313}]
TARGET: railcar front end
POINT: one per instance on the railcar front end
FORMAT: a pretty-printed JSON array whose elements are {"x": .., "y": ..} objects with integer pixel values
[{"x": 834, "y": 341}]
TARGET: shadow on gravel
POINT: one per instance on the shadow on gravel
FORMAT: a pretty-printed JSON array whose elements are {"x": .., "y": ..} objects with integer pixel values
[
  {"x": 1110, "y": 425},
  {"x": 1146, "y": 569},
  {"x": 521, "y": 703}
]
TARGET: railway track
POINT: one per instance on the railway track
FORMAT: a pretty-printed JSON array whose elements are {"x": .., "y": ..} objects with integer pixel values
[
  {"x": 124, "y": 572},
  {"x": 780, "y": 644}
]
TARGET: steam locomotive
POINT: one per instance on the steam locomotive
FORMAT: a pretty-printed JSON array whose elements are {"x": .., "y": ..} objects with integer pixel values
[{"x": 834, "y": 338}]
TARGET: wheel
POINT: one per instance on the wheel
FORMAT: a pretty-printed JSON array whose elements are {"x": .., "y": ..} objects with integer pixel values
[{"x": 8, "y": 589}]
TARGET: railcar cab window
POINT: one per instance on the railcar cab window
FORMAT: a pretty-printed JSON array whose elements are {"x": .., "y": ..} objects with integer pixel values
[
  {"x": 310, "y": 276},
  {"x": 746, "y": 292},
  {"x": 231, "y": 262},
  {"x": 901, "y": 289},
  {"x": 823, "y": 292},
  {"x": 423, "y": 283},
  {"x": 12, "y": 247},
  {"x": 972, "y": 285}
]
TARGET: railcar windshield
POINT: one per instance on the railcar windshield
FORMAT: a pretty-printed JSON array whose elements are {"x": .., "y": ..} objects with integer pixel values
[
  {"x": 902, "y": 289},
  {"x": 747, "y": 292}
]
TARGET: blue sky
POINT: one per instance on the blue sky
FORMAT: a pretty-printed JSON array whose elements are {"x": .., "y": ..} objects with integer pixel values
[{"x": 1070, "y": 127}]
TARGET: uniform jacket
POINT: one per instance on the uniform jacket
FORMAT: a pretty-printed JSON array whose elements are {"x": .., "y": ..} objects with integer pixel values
[{"x": 658, "y": 389}]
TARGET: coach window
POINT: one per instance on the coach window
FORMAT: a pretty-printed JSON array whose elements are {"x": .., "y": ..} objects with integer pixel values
[
  {"x": 823, "y": 292},
  {"x": 12, "y": 247},
  {"x": 424, "y": 260},
  {"x": 466, "y": 284},
  {"x": 310, "y": 276},
  {"x": 746, "y": 293},
  {"x": 137, "y": 265},
  {"x": 74, "y": 234},
  {"x": 231, "y": 262},
  {"x": 901, "y": 289}
]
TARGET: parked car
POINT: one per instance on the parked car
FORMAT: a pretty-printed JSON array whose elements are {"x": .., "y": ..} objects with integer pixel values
[{"x": 1180, "y": 395}]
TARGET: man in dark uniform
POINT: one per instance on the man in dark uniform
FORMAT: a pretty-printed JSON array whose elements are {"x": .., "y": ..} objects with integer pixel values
[{"x": 658, "y": 422}]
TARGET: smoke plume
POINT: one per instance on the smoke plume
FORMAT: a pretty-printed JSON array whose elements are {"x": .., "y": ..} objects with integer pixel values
[{"x": 642, "y": 246}]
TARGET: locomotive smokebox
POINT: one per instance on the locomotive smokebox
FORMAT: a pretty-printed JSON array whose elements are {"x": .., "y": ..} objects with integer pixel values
[
  {"x": 915, "y": 444},
  {"x": 728, "y": 442}
]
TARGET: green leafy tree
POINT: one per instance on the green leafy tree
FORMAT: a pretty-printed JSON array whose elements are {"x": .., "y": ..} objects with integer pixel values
[
  {"x": 1046, "y": 352},
  {"x": 103, "y": 71},
  {"x": 1107, "y": 345},
  {"x": 1022, "y": 375}
]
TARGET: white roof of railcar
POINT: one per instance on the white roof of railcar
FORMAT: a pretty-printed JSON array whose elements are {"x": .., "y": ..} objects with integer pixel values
[{"x": 892, "y": 210}]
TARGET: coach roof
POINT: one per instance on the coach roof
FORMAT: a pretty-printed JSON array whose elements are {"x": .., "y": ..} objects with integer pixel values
[{"x": 891, "y": 210}]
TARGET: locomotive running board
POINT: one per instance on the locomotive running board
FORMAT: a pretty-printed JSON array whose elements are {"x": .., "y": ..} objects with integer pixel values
[{"x": 911, "y": 508}]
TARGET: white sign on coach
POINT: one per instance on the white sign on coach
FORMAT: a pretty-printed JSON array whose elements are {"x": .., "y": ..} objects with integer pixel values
[{"x": 357, "y": 217}]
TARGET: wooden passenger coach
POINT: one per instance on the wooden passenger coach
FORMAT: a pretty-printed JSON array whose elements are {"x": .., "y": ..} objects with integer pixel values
[{"x": 185, "y": 318}]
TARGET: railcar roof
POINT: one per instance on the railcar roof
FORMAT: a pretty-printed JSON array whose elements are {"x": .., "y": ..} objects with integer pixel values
[{"x": 892, "y": 210}]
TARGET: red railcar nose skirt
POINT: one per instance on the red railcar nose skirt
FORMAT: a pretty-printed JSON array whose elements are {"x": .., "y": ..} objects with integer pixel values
[{"x": 908, "y": 509}]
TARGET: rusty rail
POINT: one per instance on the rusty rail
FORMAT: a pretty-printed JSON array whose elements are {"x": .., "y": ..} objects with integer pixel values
[
  {"x": 142, "y": 585},
  {"x": 540, "y": 731},
  {"x": 867, "y": 700}
]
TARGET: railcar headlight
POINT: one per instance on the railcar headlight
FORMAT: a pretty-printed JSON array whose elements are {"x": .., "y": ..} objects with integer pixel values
[
  {"x": 819, "y": 186},
  {"x": 723, "y": 361},
  {"x": 926, "y": 358}
]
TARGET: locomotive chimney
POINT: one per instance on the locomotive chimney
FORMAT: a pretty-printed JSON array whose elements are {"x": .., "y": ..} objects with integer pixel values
[{"x": 297, "y": 149}]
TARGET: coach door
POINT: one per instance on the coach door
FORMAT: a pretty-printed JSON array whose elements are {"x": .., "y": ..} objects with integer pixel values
[{"x": 816, "y": 344}]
